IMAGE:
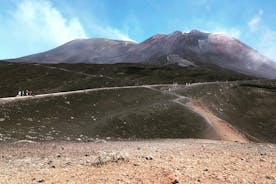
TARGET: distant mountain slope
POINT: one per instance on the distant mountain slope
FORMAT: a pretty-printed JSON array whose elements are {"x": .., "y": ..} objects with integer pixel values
[
  {"x": 195, "y": 46},
  {"x": 101, "y": 51}
]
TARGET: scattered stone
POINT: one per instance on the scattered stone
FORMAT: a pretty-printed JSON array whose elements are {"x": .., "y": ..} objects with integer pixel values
[
  {"x": 262, "y": 160},
  {"x": 269, "y": 177},
  {"x": 149, "y": 158},
  {"x": 2, "y": 119},
  {"x": 270, "y": 146},
  {"x": 41, "y": 181},
  {"x": 49, "y": 162},
  {"x": 175, "y": 181},
  {"x": 205, "y": 170},
  {"x": 100, "y": 141}
]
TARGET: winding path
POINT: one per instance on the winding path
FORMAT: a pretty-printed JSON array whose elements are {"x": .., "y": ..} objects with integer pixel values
[
  {"x": 222, "y": 128},
  {"x": 13, "y": 99}
]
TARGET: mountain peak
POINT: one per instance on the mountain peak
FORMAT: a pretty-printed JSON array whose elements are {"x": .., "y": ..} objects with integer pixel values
[
  {"x": 195, "y": 31},
  {"x": 176, "y": 33},
  {"x": 196, "y": 46},
  {"x": 158, "y": 36}
]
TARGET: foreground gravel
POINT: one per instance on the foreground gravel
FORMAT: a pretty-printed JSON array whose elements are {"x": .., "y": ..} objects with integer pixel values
[{"x": 151, "y": 161}]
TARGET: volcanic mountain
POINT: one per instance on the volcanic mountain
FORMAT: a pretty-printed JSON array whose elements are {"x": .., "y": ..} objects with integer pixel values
[{"x": 192, "y": 48}]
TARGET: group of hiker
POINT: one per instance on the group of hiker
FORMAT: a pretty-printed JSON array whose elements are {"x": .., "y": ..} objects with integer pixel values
[{"x": 26, "y": 92}]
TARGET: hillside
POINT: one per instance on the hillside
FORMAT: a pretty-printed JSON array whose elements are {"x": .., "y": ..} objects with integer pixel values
[
  {"x": 228, "y": 111},
  {"x": 43, "y": 78},
  {"x": 158, "y": 112},
  {"x": 248, "y": 105},
  {"x": 119, "y": 114}
]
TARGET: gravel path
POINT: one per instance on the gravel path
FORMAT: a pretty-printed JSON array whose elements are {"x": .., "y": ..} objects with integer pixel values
[
  {"x": 156, "y": 161},
  {"x": 14, "y": 99},
  {"x": 224, "y": 129}
]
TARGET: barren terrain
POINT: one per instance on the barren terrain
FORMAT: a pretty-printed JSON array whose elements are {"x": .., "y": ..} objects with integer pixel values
[
  {"x": 222, "y": 130},
  {"x": 151, "y": 161}
]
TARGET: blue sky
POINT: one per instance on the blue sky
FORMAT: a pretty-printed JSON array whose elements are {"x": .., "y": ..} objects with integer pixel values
[{"x": 31, "y": 26}]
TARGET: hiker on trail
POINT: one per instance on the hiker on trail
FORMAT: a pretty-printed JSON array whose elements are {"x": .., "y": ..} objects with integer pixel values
[
  {"x": 23, "y": 93},
  {"x": 27, "y": 92},
  {"x": 30, "y": 92},
  {"x": 19, "y": 93}
]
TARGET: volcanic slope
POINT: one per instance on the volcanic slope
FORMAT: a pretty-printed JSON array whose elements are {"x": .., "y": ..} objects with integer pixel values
[
  {"x": 127, "y": 113},
  {"x": 191, "y": 48},
  {"x": 149, "y": 111},
  {"x": 44, "y": 78},
  {"x": 136, "y": 112}
]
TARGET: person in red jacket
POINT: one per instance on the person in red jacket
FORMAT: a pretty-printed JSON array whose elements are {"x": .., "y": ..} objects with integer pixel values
[{"x": 30, "y": 92}]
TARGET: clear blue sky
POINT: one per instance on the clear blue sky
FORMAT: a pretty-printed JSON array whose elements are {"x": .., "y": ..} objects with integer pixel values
[{"x": 30, "y": 26}]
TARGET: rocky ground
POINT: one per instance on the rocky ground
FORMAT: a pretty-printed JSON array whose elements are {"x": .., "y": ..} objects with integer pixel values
[{"x": 151, "y": 161}]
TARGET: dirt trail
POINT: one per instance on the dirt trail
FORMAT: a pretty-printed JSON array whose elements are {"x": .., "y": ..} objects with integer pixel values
[
  {"x": 13, "y": 99},
  {"x": 224, "y": 130},
  {"x": 76, "y": 72}
]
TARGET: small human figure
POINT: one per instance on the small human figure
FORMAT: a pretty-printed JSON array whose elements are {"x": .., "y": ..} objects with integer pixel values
[
  {"x": 23, "y": 93},
  {"x": 19, "y": 93},
  {"x": 27, "y": 92},
  {"x": 30, "y": 92}
]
